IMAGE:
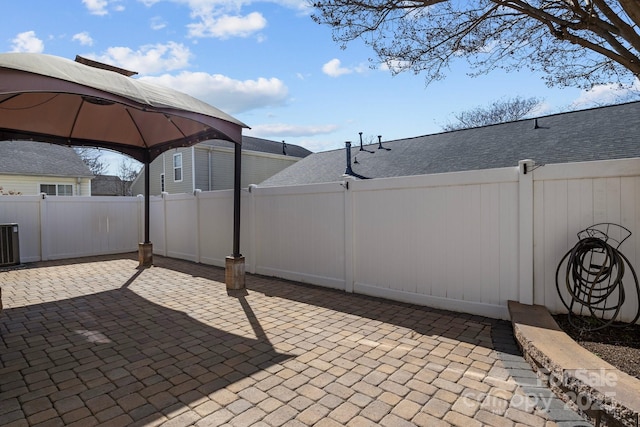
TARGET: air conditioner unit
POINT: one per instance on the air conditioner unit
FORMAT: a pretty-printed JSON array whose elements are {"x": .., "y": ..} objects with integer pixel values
[{"x": 9, "y": 245}]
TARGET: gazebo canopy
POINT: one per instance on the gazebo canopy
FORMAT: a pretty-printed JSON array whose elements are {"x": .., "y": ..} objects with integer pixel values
[{"x": 52, "y": 99}]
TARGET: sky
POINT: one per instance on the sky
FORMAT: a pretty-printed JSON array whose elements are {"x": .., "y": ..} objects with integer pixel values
[{"x": 269, "y": 65}]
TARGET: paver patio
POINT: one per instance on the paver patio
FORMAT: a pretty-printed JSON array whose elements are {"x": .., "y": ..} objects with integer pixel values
[{"x": 96, "y": 341}]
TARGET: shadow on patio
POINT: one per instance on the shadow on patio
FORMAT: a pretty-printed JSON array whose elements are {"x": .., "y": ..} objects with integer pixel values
[
  {"x": 476, "y": 330},
  {"x": 97, "y": 341},
  {"x": 117, "y": 356}
]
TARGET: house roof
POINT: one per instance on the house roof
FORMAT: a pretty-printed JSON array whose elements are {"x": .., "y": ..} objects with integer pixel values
[
  {"x": 107, "y": 185},
  {"x": 38, "y": 158},
  {"x": 603, "y": 133},
  {"x": 250, "y": 143}
]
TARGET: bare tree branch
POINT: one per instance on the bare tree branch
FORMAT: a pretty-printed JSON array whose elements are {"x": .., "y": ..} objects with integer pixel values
[
  {"x": 501, "y": 111},
  {"x": 574, "y": 42}
]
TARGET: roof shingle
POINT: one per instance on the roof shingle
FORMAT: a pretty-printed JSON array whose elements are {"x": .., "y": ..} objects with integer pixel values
[
  {"x": 38, "y": 158},
  {"x": 602, "y": 133}
]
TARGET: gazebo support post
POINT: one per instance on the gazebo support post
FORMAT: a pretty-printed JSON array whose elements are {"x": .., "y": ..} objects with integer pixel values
[
  {"x": 234, "y": 264},
  {"x": 145, "y": 249}
]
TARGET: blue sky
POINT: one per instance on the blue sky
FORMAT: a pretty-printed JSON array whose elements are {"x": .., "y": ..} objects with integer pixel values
[{"x": 268, "y": 64}]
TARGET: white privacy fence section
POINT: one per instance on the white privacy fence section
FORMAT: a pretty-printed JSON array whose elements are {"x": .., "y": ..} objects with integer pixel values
[
  {"x": 466, "y": 241},
  {"x": 56, "y": 227},
  {"x": 570, "y": 198},
  {"x": 449, "y": 241},
  {"x": 299, "y": 233}
]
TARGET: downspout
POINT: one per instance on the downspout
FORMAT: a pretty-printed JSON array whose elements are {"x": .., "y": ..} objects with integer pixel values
[
  {"x": 193, "y": 169},
  {"x": 210, "y": 171}
]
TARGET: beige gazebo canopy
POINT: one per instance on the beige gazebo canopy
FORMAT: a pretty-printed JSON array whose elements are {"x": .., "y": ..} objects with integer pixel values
[{"x": 51, "y": 99}]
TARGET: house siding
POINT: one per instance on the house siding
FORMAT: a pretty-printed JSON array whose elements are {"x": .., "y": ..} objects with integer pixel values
[
  {"x": 256, "y": 167},
  {"x": 156, "y": 169},
  {"x": 30, "y": 185},
  {"x": 259, "y": 167},
  {"x": 201, "y": 158},
  {"x": 223, "y": 162}
]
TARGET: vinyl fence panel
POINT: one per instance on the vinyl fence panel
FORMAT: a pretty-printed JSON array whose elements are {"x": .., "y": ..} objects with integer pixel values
[
  {"x": 466, "y": 241},
  {"x": 568, "y": 199},
  {"x": 24, "y": 211}
]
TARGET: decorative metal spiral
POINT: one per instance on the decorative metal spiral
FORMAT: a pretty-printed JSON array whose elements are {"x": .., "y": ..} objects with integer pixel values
[{"x": 593, "y": 279}]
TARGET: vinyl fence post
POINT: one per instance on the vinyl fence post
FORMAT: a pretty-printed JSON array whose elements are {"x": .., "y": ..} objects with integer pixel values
[
  {"x": 196, "y": 201},
  {"x": 348, "y": 233},
  {"x": 44, "y": 228},
  {"x": 251, "y": 217},
  {"x": 525, "y": 234}
]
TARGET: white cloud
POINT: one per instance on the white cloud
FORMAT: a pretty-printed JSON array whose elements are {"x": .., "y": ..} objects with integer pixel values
[
  {"x": 27, "y": 42},
  {"x": 99, "y": 7},
  {"x": 226, "y": 26},
  {"x": 283, "y": 130},
  {"x": 157, "y": 23},
  {"x": 229, "y": 95},
  {"x": 84, "y": 38},
  {"x": 318, "y": 144},
  {"x": 96, "y": 7},
  {"x": 395, "y": 66},
  {"x": 226, "y": 18},
  {"x": 334, "y": 68},
  {"x": 606, "y": 94},
  {"x": 148, "y": 59}
]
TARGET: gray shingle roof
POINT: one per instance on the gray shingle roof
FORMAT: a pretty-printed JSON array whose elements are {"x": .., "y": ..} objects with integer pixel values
[
  {"x": 108, "y": 185},
  {"x": 602, "y": 133},
  {"x": 42, "y": 159},
  {"x": 251, "y": 143}
]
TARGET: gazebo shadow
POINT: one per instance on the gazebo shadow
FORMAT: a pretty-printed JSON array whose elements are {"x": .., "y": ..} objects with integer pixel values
[
  {"x": 116, "y": 352},
  {"x": 423, "y": 320}
]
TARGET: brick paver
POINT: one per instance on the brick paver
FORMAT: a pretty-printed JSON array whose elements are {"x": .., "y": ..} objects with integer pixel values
[{"x": 98, "y": 341}]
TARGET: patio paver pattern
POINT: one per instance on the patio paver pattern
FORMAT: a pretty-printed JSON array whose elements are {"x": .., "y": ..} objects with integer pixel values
[{"x": 97, "y": 341}]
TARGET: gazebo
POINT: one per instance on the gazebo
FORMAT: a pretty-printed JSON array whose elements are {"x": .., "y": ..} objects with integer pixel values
[{"x": 85, "y": 103}]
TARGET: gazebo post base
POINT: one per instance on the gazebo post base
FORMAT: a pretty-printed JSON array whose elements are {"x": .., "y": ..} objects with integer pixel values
[
  {"x": 145, "y": 254},
  {"x": 234, "y": 272}
]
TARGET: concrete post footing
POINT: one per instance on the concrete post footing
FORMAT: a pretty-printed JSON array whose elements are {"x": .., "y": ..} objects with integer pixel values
[
  {"x": 145, "y": 254},
  {"x": 234, "y": 272}
]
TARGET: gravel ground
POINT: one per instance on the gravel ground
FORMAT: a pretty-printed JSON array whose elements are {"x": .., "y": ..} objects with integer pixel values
[{"x": 618, "y": 346}]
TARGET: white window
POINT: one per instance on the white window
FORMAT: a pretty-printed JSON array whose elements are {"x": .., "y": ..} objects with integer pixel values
[
  {"x": 177, "y": 167},
  {"x": 65, "y": 190},
  {"x": 162, "y": 182},
  {"x": 57, "y": 190}
]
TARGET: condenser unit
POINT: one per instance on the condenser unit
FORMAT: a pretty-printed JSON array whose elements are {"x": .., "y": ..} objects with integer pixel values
[{"x": 9, "y": 245}]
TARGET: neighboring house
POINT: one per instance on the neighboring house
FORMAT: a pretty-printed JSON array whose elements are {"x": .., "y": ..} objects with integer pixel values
[
  {"x": 209, "y": 165},
  {"x": 602, "y": 133},
  {"x": 110, "y": 185},
  {"x": 31, "y": 168}
]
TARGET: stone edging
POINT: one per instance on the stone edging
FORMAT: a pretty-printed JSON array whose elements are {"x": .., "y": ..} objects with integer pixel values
[{"x": 592, "y": 386}]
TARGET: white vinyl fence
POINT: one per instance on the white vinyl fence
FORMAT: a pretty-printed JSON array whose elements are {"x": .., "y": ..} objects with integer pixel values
[
  {"x": 58, "y": 227},
  {"x": 466, "y": 241}
]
